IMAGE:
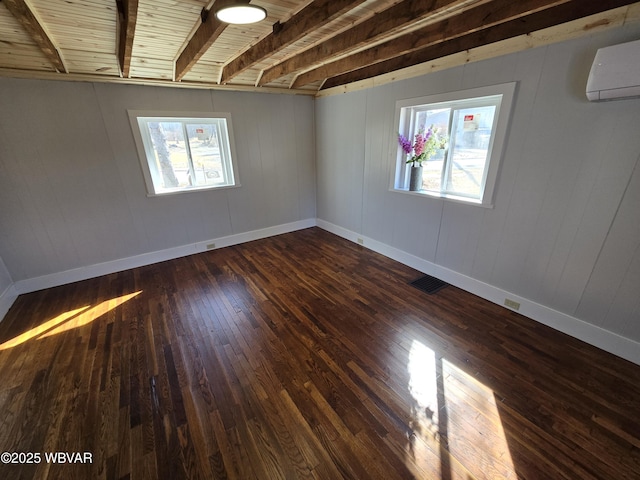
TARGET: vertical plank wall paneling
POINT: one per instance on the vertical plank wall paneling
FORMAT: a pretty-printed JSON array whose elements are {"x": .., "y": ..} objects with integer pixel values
[
  {"x": 616, "y": 277},
  {"x": 64, "y": 207},
  {"x": 5, "y": 278},
  {"x": 563, "y": 231},
  {"x": 340, "y": 140},
  {"x": 7, "y": 290},
  {"x": 71, "y": 187}
]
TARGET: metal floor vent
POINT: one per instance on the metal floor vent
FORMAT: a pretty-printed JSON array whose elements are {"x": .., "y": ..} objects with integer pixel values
[{"x": 429, "y": 284}]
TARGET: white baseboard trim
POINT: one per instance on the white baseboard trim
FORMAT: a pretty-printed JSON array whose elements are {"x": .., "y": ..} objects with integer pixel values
[
  {"x": 599, "y": 337},
  {"x": 99, "y": 269},
  {"x": 6, "y": 300}
]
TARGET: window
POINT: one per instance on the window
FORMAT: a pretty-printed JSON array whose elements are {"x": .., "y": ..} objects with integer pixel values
[
  {"x": 187, "y": 152},
  {"x": 473, "y": 124}
]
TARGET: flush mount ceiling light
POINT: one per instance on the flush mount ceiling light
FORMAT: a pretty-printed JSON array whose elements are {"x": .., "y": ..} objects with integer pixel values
[{"x": 241, "y": 14}]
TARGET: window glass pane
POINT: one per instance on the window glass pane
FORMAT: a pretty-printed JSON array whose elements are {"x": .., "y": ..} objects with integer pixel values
[
  {"x": 205, "y": 152},
  {"x": 432, "y": 167},
  {"x": 170, "y": 153},
  {"x": 469, "y": 149}
]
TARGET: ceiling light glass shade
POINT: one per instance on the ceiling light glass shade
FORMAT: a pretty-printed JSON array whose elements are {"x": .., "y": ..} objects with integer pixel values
[{"x": 241, "y": 14}]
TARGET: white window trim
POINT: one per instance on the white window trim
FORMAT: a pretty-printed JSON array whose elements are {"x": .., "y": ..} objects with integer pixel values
[
  {"x": 503, "y": 114},
  {"x": 172, "y": 115}
]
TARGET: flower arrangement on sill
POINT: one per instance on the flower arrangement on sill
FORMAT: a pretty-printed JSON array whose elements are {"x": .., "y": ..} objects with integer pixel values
[{"x": 424, "y": 146}]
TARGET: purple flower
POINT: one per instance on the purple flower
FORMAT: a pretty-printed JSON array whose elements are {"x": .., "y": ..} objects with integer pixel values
[
  {"x": 424, "y": 145},
  {"x": 405, "y": 144},
  {"x": 428, "y": 135}
]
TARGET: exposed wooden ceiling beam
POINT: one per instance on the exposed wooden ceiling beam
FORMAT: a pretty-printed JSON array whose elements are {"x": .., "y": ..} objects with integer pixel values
[
  {"x": 564, "y": 13},
  {"x": 30, "y": 23},
  {"x": 472, "y": 20},
  {"x": 399, "y": 16},
  {"x": 314, "y": 15},
  {"x": 207, "y": 33},
  {"x": 127, "y": 17}
]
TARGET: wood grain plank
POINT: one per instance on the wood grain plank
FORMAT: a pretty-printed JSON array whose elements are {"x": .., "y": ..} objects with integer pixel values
[
  {"x": 312, "y": 16},
  {"x": 472, "y": 20},
  {"x": 306, "y": 356},
  {"x": 21, "y": 10},
  {"x": 207, "y": 33},
  {"x": 385, "y": 23},
  {"x": 127, "y": 18},
  {"x": 563, "y": 13}
]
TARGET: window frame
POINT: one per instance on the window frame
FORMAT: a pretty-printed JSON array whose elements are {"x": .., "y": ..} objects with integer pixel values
[
  {"x": 470, "y": 98},
  {"x": 140, "y": 118}
]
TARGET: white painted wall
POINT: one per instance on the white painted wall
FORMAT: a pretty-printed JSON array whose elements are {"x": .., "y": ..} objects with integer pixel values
[
  {"x": 72, "y": 193},
  {"x": 565, "y": 229}
]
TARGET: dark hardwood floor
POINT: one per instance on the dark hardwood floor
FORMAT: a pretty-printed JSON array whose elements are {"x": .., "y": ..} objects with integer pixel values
[{"x": 303, "y": 356}]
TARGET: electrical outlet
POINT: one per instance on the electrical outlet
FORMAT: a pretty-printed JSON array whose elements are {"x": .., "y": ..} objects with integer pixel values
[
  {"x": 211, "y": 246},
  {"x": 360, "y": 241},
  {"x": 511, "y": 304}
]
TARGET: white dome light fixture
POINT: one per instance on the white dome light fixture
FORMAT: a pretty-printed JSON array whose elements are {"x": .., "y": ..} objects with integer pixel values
[{"x": 241, "y": 14}]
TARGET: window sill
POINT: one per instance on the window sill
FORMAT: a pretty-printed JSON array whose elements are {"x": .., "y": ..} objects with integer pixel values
[
  {"x": 179, "y": 191},
  {"x": 443, "y": 196}
]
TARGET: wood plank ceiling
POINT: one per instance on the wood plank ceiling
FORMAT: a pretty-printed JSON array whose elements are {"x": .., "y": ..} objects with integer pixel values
[{"x": 302, "y": 46}]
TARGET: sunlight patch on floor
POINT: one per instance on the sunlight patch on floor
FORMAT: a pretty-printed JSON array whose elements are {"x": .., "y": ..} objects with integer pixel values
[
  {"x": 456, "y": 417},
  {"x": 423, "y": 385},
  {"x": 68, "y": 320},
  {"x": 424, "y": 443}
]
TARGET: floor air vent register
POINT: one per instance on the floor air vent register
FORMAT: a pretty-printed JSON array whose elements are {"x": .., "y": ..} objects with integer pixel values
[{"x": 429, "y": 284}]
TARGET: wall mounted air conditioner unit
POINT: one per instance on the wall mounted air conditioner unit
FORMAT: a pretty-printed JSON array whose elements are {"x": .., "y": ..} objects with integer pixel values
[{"x": 615, "y": 72}]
